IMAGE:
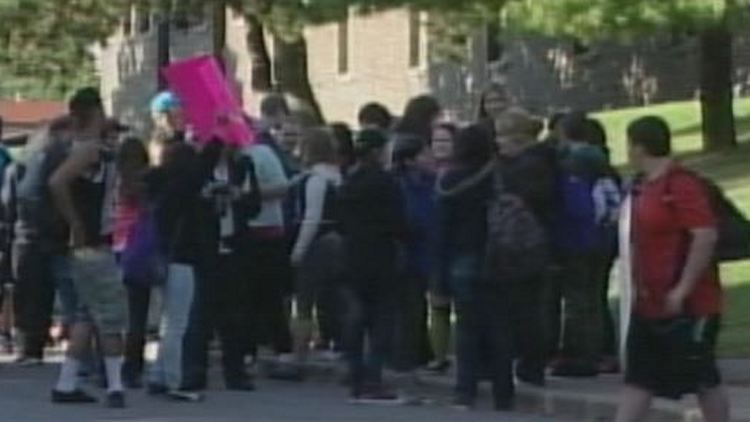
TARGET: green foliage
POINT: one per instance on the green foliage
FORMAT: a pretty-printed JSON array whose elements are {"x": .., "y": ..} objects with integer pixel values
[
  {"x": 45, "y": 45},
  {"x": 591, "y": 19}
]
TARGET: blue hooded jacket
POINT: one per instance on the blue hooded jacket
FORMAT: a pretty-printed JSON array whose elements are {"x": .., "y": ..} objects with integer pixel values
[{"x": 418, "y": 189}]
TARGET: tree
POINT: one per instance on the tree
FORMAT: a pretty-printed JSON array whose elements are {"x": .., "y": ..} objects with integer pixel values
[
  {"x": 45, "y": 46},
  {"x": 711, "y": 20},
  {"x": 285, "y": 20}
]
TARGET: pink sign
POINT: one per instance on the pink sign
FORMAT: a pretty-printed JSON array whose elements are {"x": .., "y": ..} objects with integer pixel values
[{"x": 210, "y": 108}]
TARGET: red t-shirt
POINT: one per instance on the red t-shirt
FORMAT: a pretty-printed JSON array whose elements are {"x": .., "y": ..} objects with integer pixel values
[{"x": 664, "y": 211}]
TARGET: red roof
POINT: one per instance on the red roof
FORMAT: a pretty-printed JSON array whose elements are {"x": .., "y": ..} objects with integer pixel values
[{"x": 30, "y": 112}]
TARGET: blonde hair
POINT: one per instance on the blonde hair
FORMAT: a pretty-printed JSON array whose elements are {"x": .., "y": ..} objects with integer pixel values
[
  {"x": 318, "y": 146},
  {"x": 517, "y": 122}
]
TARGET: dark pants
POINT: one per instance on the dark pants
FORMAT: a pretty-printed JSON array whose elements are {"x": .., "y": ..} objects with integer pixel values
[
  {"x": 139, "y": 301},
  {"x": 603, "y": 270},
  {"x": 269, "y": 272},
  {"x": 368, "y": 296},
  {"x": 583, "y": 316},
  {"x": 484, "y": 340},
  {"x": 527, "y": 316},
  {"x": 411, "y": 348},
  {"x": 230, "y": 313},
  {"x": 368, "y": 317},
  {"x": 35, "y": 297},
  {"x": 328, "y": 312},
  {"x": 484, "y": 335}
]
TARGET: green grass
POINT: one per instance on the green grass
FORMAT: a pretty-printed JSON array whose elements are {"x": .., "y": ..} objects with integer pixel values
[{"x": 729, "y": 169}]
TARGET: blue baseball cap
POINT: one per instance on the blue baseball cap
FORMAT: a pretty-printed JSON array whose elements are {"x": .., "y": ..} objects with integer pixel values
[{"x": 164, "y": 102}]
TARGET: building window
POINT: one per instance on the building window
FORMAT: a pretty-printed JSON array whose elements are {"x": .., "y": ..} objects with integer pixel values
[
  {"x": 415, "y": 38},
  {"x": 343, "y": 46}
]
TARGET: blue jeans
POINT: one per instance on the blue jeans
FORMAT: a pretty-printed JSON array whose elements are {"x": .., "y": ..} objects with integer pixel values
[
  {"x": 484, "y": 331},
  {"x": 178, "y": 297}
]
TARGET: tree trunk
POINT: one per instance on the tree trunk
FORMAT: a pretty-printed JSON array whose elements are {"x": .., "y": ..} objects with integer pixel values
[
  {"x": 163, "y": 32},
  {"x": 259, "y": 57},
  {"x": 290, "y": 66},
  {"x": 717, "y": 107},
  {"x": 219, "y": 13}
]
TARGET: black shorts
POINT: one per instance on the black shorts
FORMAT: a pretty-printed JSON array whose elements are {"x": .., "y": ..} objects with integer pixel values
[{"x": 673, "y": 357}]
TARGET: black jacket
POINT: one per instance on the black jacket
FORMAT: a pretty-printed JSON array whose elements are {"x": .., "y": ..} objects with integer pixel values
[
  {"x": 532, "y": 175},
  {"x": 180, "y": 212},
  {"x": 246, "y": 207},
  {"x": 371, "y": 212}
]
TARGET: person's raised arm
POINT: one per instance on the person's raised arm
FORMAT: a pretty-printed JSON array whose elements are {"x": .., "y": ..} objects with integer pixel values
[{"x": 79, "y": 160}]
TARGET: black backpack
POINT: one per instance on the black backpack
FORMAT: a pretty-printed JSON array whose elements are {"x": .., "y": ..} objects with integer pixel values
[
  {"x": 517, "y": 245},
  {"x": 733, "y": 226}
]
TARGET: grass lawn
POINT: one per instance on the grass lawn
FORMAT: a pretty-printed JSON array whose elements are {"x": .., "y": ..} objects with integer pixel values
[{"x": 731, "y": 170}]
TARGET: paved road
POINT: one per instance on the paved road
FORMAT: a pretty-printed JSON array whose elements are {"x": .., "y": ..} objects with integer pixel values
[{"x": 24, "y": 398}]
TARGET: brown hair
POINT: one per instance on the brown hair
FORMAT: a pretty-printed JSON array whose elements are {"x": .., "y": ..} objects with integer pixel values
[{"x": 318, "y": 146}]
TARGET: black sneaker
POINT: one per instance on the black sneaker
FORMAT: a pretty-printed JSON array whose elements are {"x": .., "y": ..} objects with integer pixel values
[
  {"x": 575, "y": 369},
  {"x": 116, "y": 400},
  {"x": 532, "y": 378},
  {"x": 185, "y": 396},
  {"x": 378, "y": 395},
  {"x": 72, "y": 397}
]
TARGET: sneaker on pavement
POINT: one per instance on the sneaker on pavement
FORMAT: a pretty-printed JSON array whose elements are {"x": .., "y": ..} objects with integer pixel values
[
  {"x": 287, "y": 372},
  {"x": 185, "y": 396},
  {"x": 575, "y": 369},
  {"x": 72, "y": 397},
  {"x": 532, "y": 378},
  {"x": 379, "y": 396},
  {"x": 29, "y": 362},
  {"x": 438, "y": 367},
  {"x": 116, "y": 400},
  {"x": 462, "y": 402},
  {"x": 241, "y": 385}
]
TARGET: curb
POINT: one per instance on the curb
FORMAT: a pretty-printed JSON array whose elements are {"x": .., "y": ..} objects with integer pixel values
[{"x": 572, "y": 405}]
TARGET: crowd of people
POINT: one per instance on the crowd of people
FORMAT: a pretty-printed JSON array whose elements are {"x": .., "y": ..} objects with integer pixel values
[{"x": 363, "y": 246}]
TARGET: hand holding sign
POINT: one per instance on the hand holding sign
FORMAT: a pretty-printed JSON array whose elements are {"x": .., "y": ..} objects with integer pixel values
[{"x": 210, "y": 108}]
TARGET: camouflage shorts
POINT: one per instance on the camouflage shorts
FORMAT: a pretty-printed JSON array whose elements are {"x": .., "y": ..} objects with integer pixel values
[{"x": 100, "y": 289}]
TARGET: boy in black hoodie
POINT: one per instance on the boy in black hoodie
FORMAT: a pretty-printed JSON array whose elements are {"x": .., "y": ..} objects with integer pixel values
[{"x": 372, "y": 222}]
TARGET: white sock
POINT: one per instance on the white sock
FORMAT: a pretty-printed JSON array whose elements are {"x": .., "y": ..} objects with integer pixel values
[
  {"x": 114, "y": 373},
  {"x": 68, "y": 380}
]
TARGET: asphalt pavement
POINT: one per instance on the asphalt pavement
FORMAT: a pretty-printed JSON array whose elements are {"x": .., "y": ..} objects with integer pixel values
[{"x": 24, "y": 397}]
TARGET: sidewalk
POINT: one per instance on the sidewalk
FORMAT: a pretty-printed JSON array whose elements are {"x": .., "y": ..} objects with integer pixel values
[{"x": 586, "y": 400}]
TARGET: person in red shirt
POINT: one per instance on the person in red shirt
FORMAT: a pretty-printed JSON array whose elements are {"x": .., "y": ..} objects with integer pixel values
[{"x": 678, "y": 301}]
